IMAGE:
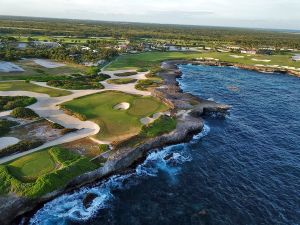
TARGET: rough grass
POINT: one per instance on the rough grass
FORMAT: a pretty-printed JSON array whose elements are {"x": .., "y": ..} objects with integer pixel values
[
  {"x": 122, "y": 81},
  {"x": 149, "y": 60},
  {"x": 24, "y": 86},
  {"x": 115, "y": 124},
  {"x": 162, "y": 125},
  {"x": 32, "y": 71},
  {"x": 29, "y": 168},
  {"x": 58, "y": 168},
  {"x": 11, "y": 102}
]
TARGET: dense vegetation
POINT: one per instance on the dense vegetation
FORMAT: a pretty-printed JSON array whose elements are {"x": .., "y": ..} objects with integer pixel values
[
  {"x": 22, "y": 146},
  {"x": 80, "y": 82},
  {"x": 9, "y": 103},
  {"x": 24, "y": 113},
  {"x": 5, "y": 126},
  {"x": 126, "y": 74},
  {"x": 191, "y": 35},
  {"x": 144, "y": 85},
  {"x": 40, "y": 173},
  {"x": 122, "y": 81}
]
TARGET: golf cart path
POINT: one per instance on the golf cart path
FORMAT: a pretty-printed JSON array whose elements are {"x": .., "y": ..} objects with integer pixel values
[{"x": 48, "y": 107}]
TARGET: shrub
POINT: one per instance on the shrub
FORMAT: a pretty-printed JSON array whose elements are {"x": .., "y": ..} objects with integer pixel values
[
  {"x": 142, "y": 70},
  {"x": 103, "y": 148},
  {"x": 5, "y": 126},
  {"x": 126, "y": 74},
  {"x": 93, "y": 70},
  {"x": 24, "y": 113},
  {"x": 149, "y": 83},
  {"x": 9, "y": 103},
  {"x": 122, "y": 81},
  {"x": 22, "y": 146},
  {"x": 57, "y": 126},
  {"x": 67, "y": 130}
]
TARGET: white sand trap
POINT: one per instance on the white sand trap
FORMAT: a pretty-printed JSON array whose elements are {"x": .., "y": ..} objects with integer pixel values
[
  {"x": 8, "y": 141},
  {"x": 122, "y": 106},
  {"x": 7, "y": 67},
  {"x": 261, "y": 60},
  {"x": 48, "y": 64},
  {"x": 237, "y": 56}
]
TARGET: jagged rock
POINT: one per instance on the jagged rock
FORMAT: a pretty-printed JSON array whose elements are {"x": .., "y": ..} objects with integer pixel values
[{"x": 88, "y": 200}]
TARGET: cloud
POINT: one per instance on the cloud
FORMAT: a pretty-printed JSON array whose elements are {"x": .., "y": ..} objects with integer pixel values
[{"x": 254, "y": 13}]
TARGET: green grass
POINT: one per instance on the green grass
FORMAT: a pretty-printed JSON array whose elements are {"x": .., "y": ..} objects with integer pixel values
[
  {"x": 115, "y": 124},
  {"x": 11, "y": 102},
  {"x": 149, "y": 60},
  {"x": 29, "y": 168},
  {"x": 42, "y": 172},
  {"x": 23, "y": 86},
  {"x": 36, "y": 72},
  {"x": 162, "y": 125},
  {"x": 122, "y": 81}
]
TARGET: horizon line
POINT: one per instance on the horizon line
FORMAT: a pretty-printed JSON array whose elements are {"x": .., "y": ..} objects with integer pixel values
[{"x": 153, "y": 23}]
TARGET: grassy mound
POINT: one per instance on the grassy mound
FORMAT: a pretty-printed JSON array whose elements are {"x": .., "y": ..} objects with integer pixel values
[
  {"x": 24, "y": 86},
  {"x": 122, "y": 81},
  {"x": 115, "y": 124},
  {"x": 126, "y": 74},
  {"x": 9, "y": 102},
  {"x": 144, "y": 85},
  {"x": 24, "y": 113},
  {"x": 42, "y": 172},
  {"x": 80, "y": 82}
]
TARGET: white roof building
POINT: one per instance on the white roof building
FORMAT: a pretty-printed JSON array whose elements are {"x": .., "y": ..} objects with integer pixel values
[{"x": 296, "y": 58}]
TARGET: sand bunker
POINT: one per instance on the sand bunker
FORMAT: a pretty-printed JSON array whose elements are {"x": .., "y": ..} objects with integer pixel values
[
  {"x": 48, "y": 64},
  {"x": 7, "y": 67},
  {"x": 122, "y": 106},
  {"x": 8, "y": 141},
  {"x": 261, "y": 60},
  {"x": 237, "y": 56}
]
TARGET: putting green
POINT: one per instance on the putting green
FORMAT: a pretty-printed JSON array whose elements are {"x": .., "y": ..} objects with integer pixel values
[
  {"x": 30, "y": 167},
  {"x": 115, "y": 124},
  {"x": 23, "y": 86}
]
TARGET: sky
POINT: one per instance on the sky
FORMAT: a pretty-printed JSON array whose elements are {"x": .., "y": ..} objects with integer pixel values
[{"x": 281, "y": 14}]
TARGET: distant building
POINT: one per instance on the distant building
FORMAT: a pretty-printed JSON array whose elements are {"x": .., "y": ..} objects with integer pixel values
[
  {"x": 250, "y": 52},
  {"x": 296, "y": 58}
]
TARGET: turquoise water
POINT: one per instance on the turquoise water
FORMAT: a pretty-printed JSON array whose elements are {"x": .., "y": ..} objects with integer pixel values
[{"x": 242, "y": 169}]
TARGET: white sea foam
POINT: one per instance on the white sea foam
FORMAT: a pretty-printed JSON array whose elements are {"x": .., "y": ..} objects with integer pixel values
[{"x": 70, "y": 206}]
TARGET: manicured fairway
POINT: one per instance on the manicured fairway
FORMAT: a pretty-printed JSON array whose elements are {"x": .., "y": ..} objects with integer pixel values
[
  {"x": 23, "y": 86},
  {"x": 152, "y": 59},
  {"x": 29, "y": 168},
  {"x": 42, "y": 172},
  {"x": 115, "y": 124}
]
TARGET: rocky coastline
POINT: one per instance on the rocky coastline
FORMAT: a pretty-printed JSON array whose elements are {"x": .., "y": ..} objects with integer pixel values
[{"x": 188, "y": 110}]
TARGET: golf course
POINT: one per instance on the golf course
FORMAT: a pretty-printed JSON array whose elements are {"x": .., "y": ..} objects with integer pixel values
[
  {"x": 115, "y": 124},
  {"x": 42, "y": 172},
  {"x": 24, "y": 86}
]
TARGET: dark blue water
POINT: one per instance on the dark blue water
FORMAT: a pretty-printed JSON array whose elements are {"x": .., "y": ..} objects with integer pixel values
[{"x": 244, "y": 169}]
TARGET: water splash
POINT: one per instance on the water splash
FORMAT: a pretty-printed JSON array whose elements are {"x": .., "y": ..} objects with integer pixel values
[{"x": 70, "y": 207}]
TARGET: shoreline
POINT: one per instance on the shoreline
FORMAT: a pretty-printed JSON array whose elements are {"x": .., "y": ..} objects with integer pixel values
[{"x": 188, "y": 110}]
